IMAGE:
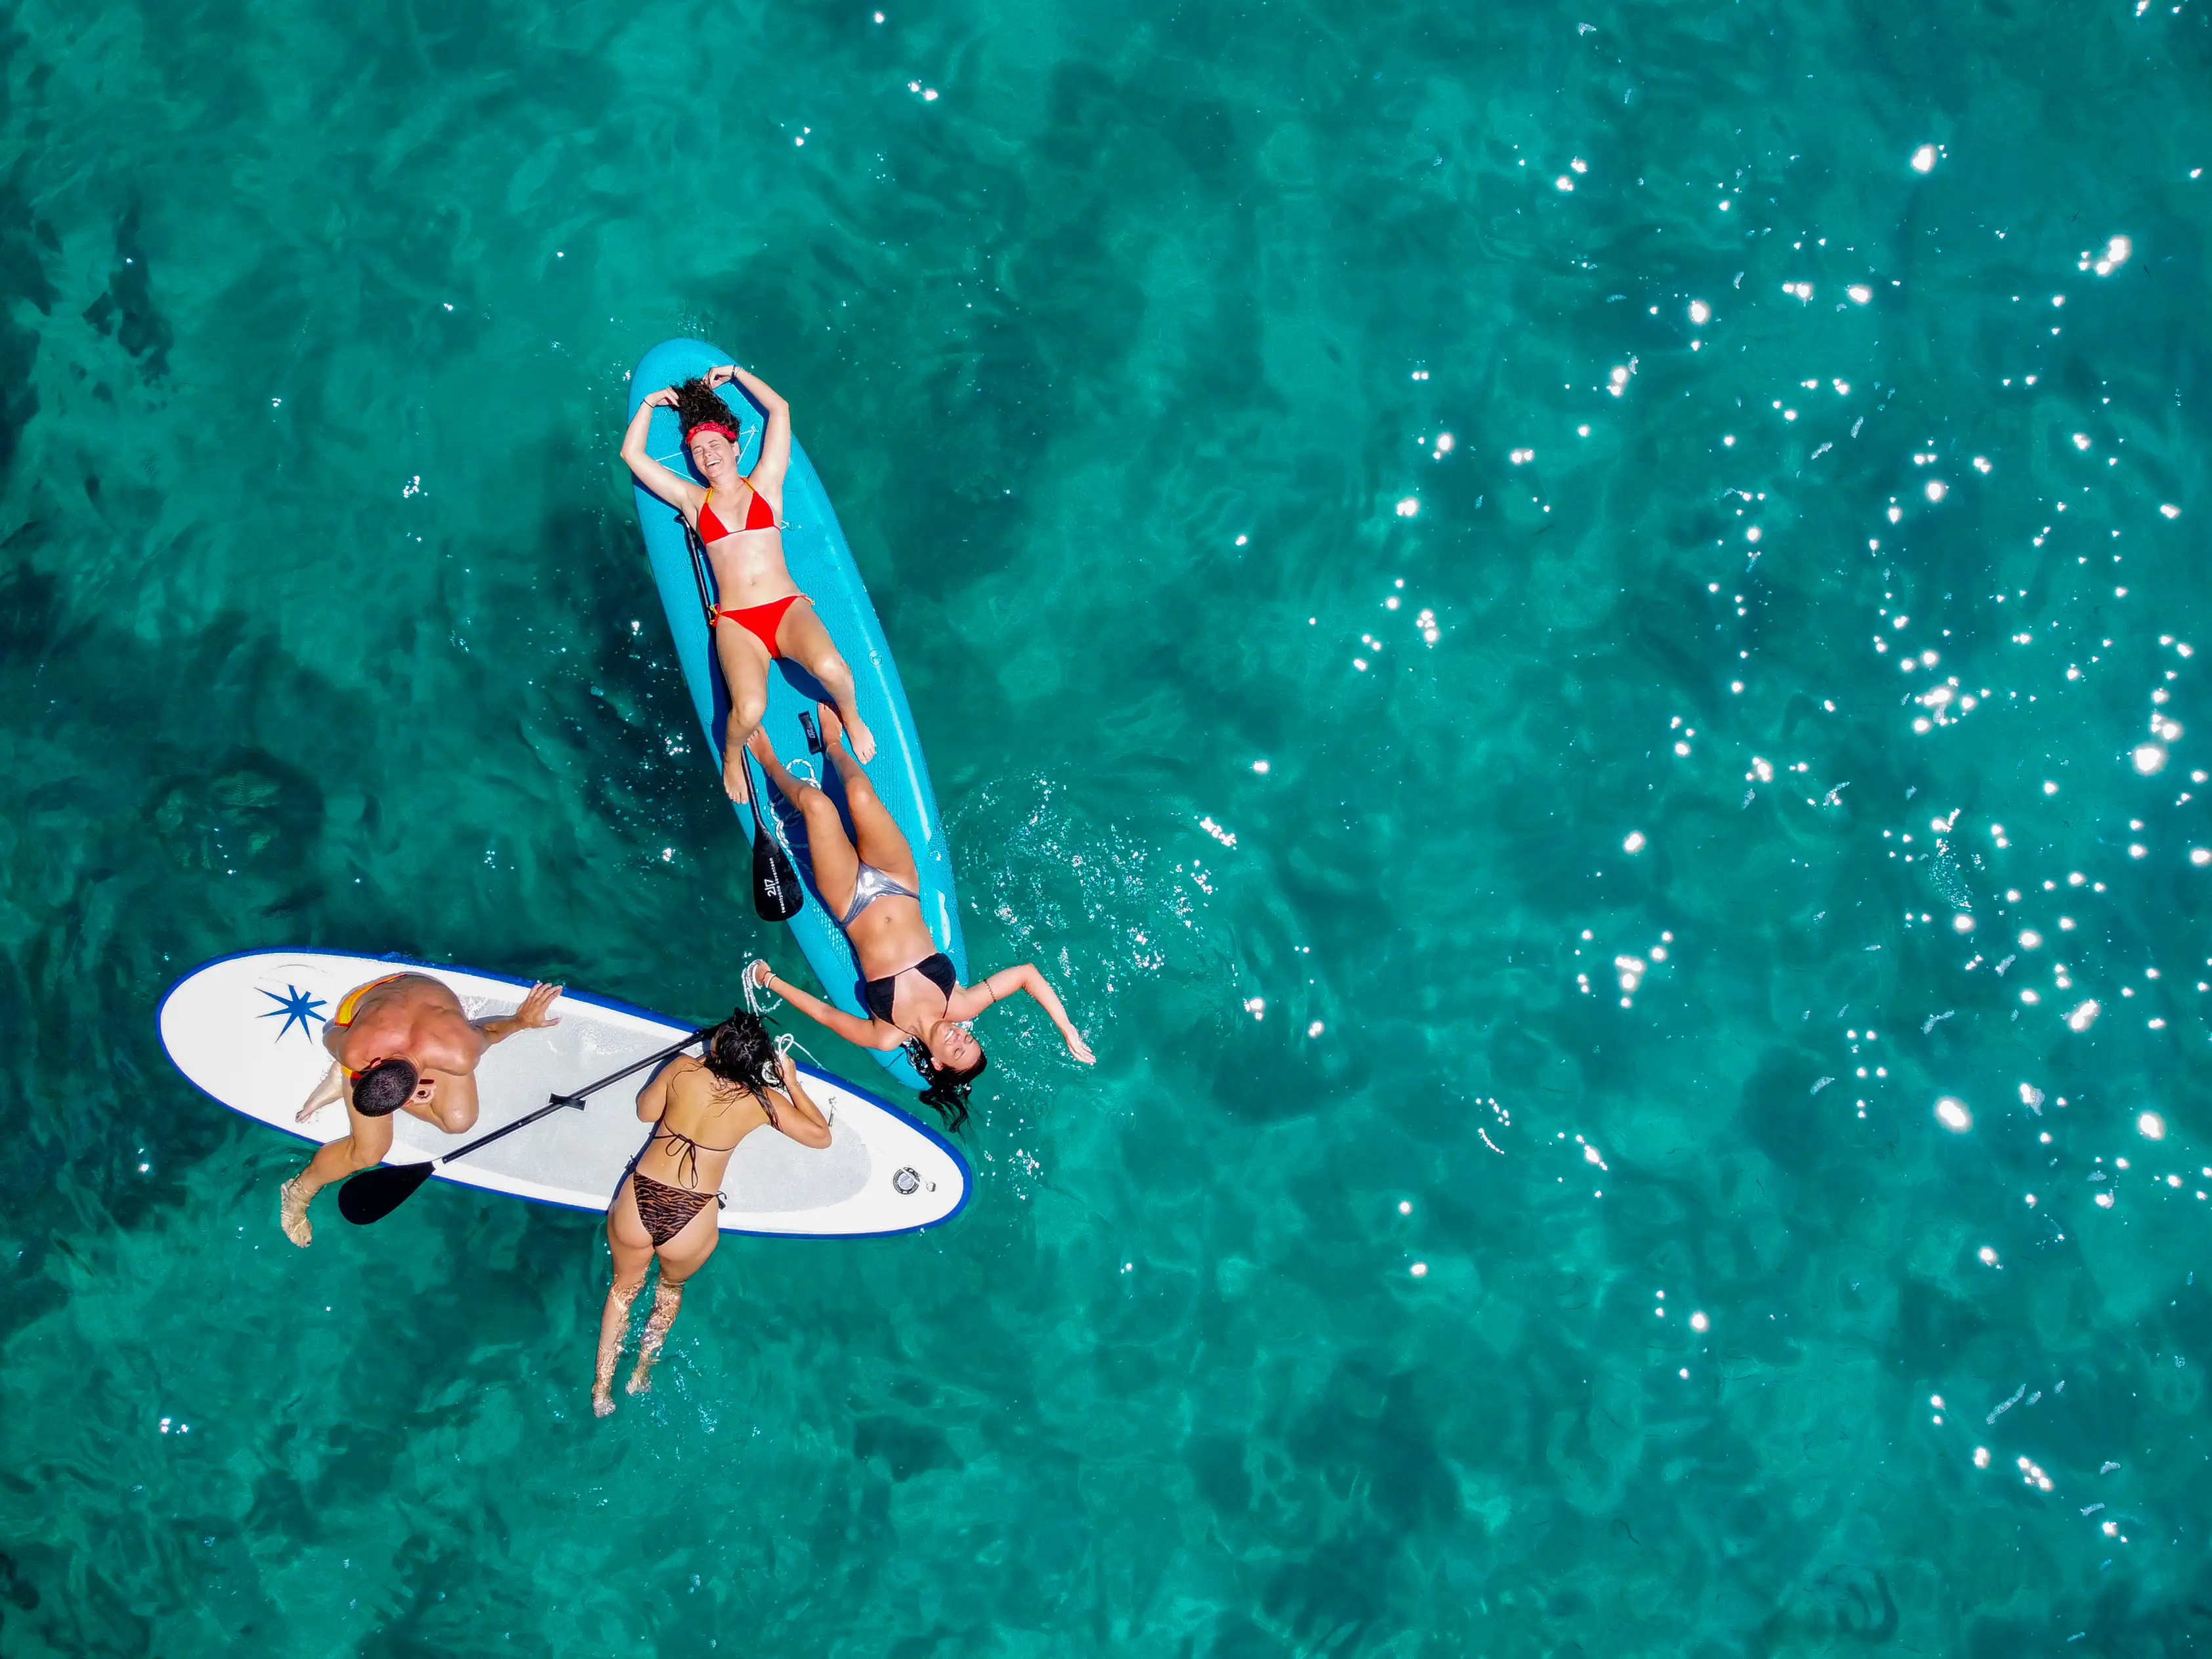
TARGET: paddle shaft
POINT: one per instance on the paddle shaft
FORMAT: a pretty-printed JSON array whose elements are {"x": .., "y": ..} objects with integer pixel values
[
  {"x": 556, "y": 1103},
  {"x": 700, "y": 574}
]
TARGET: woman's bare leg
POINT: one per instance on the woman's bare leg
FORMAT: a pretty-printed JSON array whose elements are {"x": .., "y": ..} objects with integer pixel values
[
  {"x": 667, "y": 1303},
  {"x": 744, "y": 671},
  {"x": 801, "y": 637},
  {"x": 836, "y": 866},
  {"x": 632, "y": 1249},
  {"x": 681, "y": 1257},
  {"x": 881, "y": 842}
]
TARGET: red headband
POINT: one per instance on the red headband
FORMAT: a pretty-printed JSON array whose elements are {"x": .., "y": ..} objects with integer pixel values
[{"x": 709, "y": 426}]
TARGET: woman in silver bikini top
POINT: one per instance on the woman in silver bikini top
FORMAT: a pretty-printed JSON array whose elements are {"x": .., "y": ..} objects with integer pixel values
[{"x": 869, "y": 885}]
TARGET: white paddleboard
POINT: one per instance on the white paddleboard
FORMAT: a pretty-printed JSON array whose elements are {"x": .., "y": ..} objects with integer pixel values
[{"x": 248, "y": 1031}]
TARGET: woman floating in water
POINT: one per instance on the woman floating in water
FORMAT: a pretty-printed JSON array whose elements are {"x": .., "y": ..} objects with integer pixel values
[
  {"x": 760, "y": 614},
  {"x": 913, "y": 992},
  {"x": 669, "y": 1207}
]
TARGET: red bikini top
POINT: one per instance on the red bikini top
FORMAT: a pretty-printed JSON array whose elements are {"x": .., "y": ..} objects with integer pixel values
[{"x": 758, "y": 516}]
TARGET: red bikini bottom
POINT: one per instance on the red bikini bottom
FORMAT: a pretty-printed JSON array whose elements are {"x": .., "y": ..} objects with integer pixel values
[{"x": 761, "y": 621}]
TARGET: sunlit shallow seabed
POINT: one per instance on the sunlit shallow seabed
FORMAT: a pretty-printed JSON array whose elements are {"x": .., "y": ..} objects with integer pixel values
[{"x": 1575, "y": 634}]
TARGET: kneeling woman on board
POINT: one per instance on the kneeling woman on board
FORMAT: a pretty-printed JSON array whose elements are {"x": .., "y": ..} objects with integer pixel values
[
  {"x": 670, "y": 1205},
  {"x": 913, "y": 993},
  {"x": 759, "y": 614}
]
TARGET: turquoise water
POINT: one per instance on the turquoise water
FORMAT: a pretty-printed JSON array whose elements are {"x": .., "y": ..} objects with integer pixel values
[{"x": 1325, "y": 1315}]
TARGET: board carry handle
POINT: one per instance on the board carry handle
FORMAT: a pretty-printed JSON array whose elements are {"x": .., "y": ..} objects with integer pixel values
[{"x": 375, "y": 1193}]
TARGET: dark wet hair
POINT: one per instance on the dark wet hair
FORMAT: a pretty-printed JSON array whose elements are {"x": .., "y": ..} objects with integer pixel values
[
  {"x": 385, "y": 1087},
  {"x": 948, "y": 1089},
  {"x": 739, "y": 1050},
  {"x": 697, "y": 404}
]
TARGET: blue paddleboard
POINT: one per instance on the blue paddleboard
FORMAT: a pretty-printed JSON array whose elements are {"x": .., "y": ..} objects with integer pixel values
[{"x": 821, "y": 563}]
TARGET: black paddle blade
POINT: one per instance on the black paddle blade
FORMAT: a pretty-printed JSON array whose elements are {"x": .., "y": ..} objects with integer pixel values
[
  {"x": 777, "y": 895},
  {"x": 375, "y": 1193}
]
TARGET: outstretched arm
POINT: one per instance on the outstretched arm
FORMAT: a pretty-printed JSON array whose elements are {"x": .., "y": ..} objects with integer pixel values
[
  {"x": 531, "y": 1016},
  {"x": 775, "y": 441},
  {"x": 972, "y": 999},
  {"x": 868, "y": 1033},
  {"x": 678, "y": 491}
]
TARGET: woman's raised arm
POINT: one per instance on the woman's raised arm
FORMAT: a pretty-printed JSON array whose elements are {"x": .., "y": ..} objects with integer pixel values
[
  {"x": 678, "y": 491},
  {"x": 807, "y": 1125},
  {"x": 868, "y": 1033},
  {"x": 775, "y": 439},
  {"x": 972, "y": 999}
]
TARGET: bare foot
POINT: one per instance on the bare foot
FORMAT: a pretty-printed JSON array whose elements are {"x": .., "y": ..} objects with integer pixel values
[
  {"x": 292, "y": 1214},
  {"x": 764, "y": 752},
  {"x": 640, "y": 1382},
  {"x": 734, "y": 782},
  {"x": 328, "y": 1092},
  {"x": 861, "y": 743},
  {"x": 603, "y": 1400}
]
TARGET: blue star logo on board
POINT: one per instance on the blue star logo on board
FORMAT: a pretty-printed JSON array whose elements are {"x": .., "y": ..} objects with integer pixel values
[{"x": 296, "y": 1005}]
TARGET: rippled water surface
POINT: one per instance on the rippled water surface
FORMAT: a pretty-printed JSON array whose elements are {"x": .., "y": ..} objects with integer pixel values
[{"x": 1529, "y": 609}]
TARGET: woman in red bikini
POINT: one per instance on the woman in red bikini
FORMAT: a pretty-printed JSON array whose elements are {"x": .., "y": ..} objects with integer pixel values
[{"x": 760, "y": 613}]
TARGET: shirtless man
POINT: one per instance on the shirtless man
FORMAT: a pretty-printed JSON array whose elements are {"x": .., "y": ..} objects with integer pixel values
[{"x": 399, "y": 1044}]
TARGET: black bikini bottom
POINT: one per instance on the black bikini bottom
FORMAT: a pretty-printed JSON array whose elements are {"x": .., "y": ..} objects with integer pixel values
[{"x": 665, "y": 1210}]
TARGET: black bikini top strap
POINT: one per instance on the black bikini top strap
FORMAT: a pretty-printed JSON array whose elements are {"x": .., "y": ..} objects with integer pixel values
[
  {"x": 689, "y": 1157},
  {"x": 687, "y": 1160}
]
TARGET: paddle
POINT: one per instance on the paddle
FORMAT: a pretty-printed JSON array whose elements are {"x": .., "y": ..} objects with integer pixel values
[
  {"x": 777, "y": 896},
  {"x": 375, "y": 1193}
]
